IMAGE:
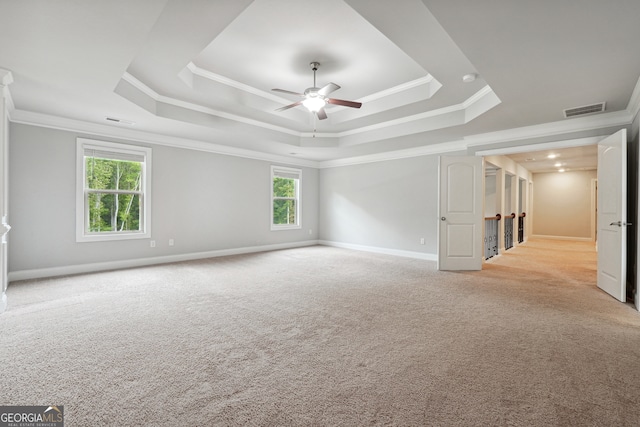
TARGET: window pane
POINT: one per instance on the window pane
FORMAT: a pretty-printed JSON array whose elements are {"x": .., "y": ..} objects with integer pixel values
[
  {"x": 284, "y": 212},
  {"x": 113, "y": 212},
  {"x": 284, "y": 187},
  {"x": 108, "y": 174}
]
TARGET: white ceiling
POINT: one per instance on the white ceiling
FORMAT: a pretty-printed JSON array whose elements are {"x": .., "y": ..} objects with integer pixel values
[
  {"x": 203, "y": 70},
  {"x": 554, "y": 160}
]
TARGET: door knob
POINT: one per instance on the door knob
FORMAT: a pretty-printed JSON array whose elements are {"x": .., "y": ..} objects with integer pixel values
[{"x": 443, "y": 219}]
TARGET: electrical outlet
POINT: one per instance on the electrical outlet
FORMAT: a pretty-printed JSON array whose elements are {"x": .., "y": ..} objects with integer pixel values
[
  {"x": 422, "y": 240},
  {"x": 310, "y": 232},
  {"x": 152, "y": 243},
  {"x": 170, "y": 242}
]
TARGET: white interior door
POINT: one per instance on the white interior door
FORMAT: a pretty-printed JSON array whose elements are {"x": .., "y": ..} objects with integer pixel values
[
  {"x": 612, "y": 214},
  {"x": 461, "y": 213}
]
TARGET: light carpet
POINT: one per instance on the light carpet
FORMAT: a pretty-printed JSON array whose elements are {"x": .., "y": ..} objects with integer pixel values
[{"x": 321, "y": 336}]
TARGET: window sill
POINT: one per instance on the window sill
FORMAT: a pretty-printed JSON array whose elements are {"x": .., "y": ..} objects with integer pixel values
[
  {"x": 285, "y": 227},
  {"x": 110, "y": 237}
]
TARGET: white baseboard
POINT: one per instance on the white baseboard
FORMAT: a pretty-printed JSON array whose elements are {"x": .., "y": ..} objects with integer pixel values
[
  {"x": 575, "y": 239},
  {"x": 142, "y": 262},
  {"x": 386, "y": 251}
]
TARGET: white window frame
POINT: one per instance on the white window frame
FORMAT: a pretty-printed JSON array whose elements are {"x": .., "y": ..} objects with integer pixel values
[
  {"x": 281, "y": 171},
  {"x": 82, "y": 211}
]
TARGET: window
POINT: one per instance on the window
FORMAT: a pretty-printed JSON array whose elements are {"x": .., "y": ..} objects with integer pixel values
[
  {"x": 112, "y": 191},
  {"x": 285, "y": 198}
]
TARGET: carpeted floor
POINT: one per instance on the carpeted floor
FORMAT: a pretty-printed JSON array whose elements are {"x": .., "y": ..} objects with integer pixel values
[{"x": 322, "y": 336}]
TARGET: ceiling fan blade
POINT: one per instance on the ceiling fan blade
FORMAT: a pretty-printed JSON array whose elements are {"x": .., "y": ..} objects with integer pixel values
[
  {"x": 326, "y": 90},
  {"x": 321, "y": 114},
  {"x": 288, "y": 91},
  {"x": 286, "y": 107},
  {"x": 344, "y": 103}
]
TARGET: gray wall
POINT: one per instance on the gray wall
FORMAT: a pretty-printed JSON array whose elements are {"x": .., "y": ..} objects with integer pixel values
[
  {"x": 204, "y": 201},
  {"x": 390, "y": 204},
  {"x": 563, "y": 204}
]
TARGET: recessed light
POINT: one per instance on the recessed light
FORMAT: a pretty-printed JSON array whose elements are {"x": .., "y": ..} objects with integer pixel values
[
  {"x": 552, "y": 156},
  {"x": 468, "y": 78},
  {"x": 560, "y": 170},
  {"x": 558, "y": 164}
]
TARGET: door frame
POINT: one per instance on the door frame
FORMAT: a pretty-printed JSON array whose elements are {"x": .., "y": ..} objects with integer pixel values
[
  {"x": 6, "y": 78},
  {"x": 579, "y": 142}
]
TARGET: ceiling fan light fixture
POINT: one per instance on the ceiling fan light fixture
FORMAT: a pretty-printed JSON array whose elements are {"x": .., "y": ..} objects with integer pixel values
[
  {"x": 315, "y": 98},
  {"x": 314, "y": 103}
]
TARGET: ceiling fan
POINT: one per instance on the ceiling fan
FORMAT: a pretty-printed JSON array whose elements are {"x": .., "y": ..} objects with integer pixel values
[{"x": 315, "y": 99}]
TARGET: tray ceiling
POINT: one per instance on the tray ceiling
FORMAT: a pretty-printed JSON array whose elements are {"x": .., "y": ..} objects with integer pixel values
[{"x": 204, "y": 71}]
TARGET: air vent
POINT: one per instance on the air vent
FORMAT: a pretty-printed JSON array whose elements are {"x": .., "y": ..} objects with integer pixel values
[
  {"x": 587, "y": 109},
  {"x": 121, "y": 121}
]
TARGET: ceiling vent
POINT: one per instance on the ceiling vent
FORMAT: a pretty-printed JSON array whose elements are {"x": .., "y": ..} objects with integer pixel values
[
  {"x": 587, "y": 109},
  {"x": 121, "y": 121}
]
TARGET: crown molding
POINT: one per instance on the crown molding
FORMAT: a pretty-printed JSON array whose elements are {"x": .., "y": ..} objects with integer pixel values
[
  {"x": 476, "y": 99},
  {"x": 428, "y": 150},
  {"x": 559, "y": 128},
  {"x": 567, "y": 143},
  {"x": 106, "y": 131},
  {"x": 426, "y": 80},
  {"x": 233, "y": 83},
  {"x": 618, "y": 118},
  {"x": 426, "y": 115},
  {"x": 195, "y": 107},
  {"x": 6, "y": 78},
  {"x": 634, "y": 102}
]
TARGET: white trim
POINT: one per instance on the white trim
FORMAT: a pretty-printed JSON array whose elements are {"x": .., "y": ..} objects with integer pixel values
[
  {"x": 634, "y": 102},
  {"x": 106, "y": 131},
  {"x": 575, "y": 239},
  {"x": 402, "y": 120},
  {"x": 378, "y": 250},
  {"x": 82, "y": 220},
  {"x": 427, "y": 150},
  {"x": 195, "y": 107},
  {"x": 142, "y": 262},
  {"x": 476, "y": 97},
  {"x": 233, "y": 83},
  {"x": 568, "y": 143},
  {"x": 298, "y": 198},
  {"x": 426, "y": 80},
  {"x": 103, "y": 130},
  {"x": 592, "y": 205},
  {"x": 552, "y": 129}
]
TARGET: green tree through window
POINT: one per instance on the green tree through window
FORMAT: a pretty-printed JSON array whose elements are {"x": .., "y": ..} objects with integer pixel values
[
  {"x": 284, "y": 201},
  {"x": 285, "y": 197},
  {"x": 113, "y": 188},
  {"x": 113, "y": 191}
]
